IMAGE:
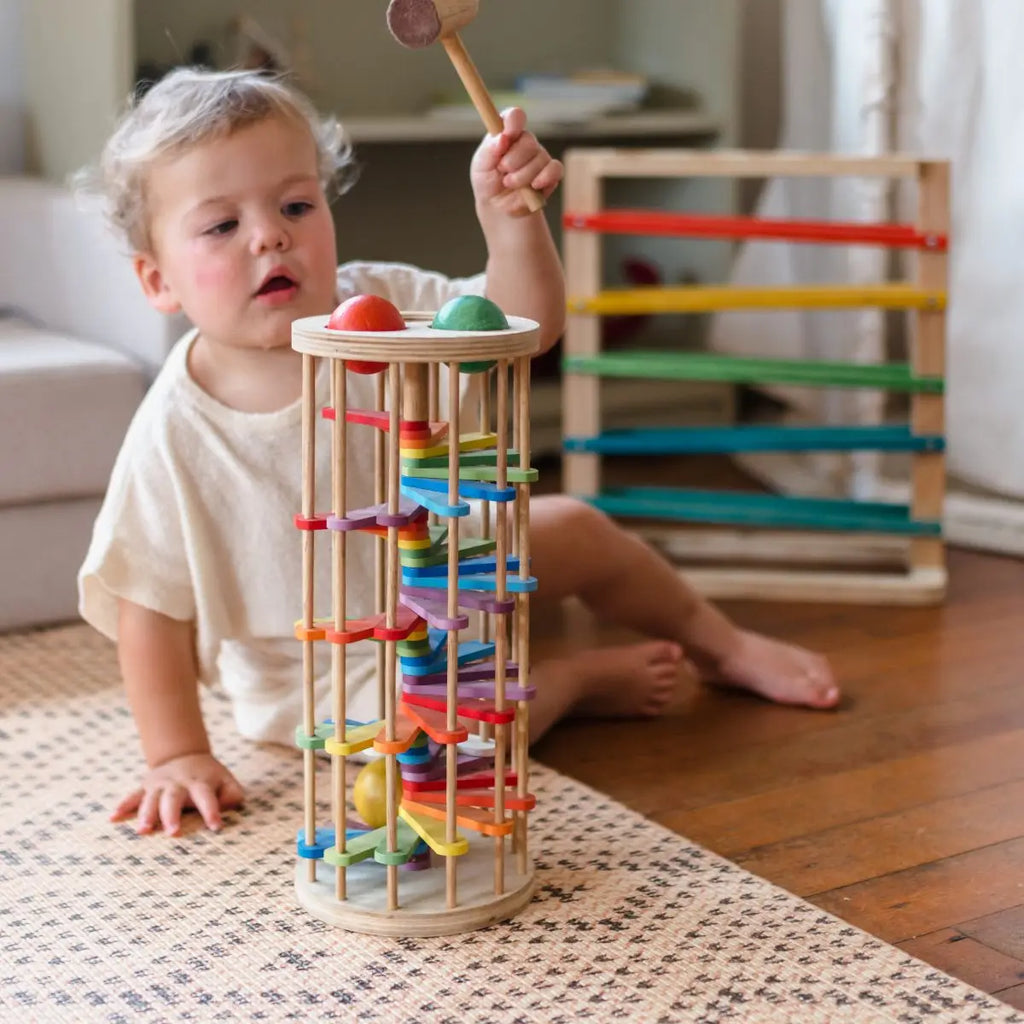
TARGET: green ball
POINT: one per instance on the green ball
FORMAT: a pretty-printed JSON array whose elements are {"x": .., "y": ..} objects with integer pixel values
[{"x": 470, "y": 313}]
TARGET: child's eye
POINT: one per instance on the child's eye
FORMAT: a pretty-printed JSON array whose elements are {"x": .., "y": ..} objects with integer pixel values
[
  {"x": 223, "y": 228},
  {"x": 297, "y": 209}
]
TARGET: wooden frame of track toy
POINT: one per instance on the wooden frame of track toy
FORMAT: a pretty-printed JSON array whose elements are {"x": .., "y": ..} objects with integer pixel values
[
  {"x": 460, "y": 797},
  {"x": 830, "y": 549}
]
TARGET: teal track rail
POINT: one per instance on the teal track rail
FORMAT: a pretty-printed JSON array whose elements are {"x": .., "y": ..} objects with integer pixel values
[
  {"x": 703, "y": 440},
  {"x": 658, "y": 365},
  {"x": 738, "y": 508}
]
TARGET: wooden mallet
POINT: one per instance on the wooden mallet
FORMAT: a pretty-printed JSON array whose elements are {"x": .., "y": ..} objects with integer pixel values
[{"x": 419, "y": 23}]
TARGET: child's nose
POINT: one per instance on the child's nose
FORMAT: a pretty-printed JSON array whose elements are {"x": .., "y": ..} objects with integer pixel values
[{"x": 268, "y": 236}]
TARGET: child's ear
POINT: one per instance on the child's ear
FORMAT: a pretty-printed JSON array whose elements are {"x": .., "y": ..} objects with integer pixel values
[{"x": 154, "y": 284}]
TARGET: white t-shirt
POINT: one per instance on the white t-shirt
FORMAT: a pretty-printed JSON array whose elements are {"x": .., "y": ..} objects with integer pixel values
[{"x": 198, "y": 524}]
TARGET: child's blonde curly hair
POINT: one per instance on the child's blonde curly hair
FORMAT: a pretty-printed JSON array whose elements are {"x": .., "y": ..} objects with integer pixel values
[{"x": 193, "y": 105}]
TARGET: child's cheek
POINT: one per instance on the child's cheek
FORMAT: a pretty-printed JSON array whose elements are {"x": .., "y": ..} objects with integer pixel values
[{"x": 211, "y": 275}]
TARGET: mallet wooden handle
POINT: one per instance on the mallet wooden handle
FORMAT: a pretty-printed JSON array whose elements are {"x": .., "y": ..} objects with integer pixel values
[{"x": 481, "y": 98}]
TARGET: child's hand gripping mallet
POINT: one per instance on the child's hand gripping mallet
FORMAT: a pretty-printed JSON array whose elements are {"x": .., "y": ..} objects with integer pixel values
[{"x": 418, "y": 23}]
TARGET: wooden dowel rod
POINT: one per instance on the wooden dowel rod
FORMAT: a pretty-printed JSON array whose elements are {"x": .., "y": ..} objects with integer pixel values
[
  {"x": 433, "y": 392},
  {"x": 485, "y": 512},
  {"x": 500, "y": 623},
  {"x": 391, "y": 617},
  {"x": 516, "y": 387},
  {"x": 308, "y": 613},
  {"x": 339, "y": 441},
  {"x": 433, "y": 410},
  {"x": 522, "y": 761},
  {"x": 452, "y": 681},
  {"x": 379, "y": 543}
]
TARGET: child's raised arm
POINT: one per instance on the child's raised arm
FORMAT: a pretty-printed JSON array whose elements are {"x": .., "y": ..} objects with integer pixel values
[
  {"x": 157, "y": 657},
  {"x": 524, "y": 273}
]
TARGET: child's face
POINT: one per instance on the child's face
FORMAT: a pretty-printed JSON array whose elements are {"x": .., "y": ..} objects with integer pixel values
[{"x": 242, "y": 236}]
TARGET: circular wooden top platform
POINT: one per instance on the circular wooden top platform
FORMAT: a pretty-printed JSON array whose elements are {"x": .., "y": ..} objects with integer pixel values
[{"x": 418, "y": 343}]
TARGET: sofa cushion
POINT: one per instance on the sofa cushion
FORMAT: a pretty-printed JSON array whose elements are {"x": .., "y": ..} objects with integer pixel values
[
  {"x": 64, "y": 407},
  {"x": 41, "y": 548}
]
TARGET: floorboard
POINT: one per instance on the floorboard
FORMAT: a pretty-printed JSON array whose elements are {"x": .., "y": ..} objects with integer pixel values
[{"x": 902, "y": 812}]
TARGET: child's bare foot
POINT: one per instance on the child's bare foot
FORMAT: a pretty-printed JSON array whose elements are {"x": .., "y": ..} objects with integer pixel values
[
  {"x": 780, "y": 672},
  {"x": 635, "y": 680},
  {"x": 624, "y": 682}
]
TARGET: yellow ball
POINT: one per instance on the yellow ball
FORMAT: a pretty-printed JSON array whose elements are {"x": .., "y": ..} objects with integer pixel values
[{"x": 369, "y": 793}]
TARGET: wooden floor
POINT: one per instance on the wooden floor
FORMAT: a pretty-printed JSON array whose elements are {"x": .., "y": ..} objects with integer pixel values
[{"x": 902, "y": 812}]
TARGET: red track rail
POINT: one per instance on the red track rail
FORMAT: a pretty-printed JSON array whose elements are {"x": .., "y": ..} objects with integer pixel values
[{"x": 689, "y": 225}]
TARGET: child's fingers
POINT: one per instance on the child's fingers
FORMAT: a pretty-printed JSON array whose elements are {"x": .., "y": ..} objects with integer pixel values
[
  {"x": 491, "y": 153},
  {"x": 495, "y": 147},
  {"x": 127, "y": 807},
  {"x": 549, "y": 177},
  {"x": 171, "y": 800},
  {"x": 522, "y": 152},
  {"x": 526, "y": 174},
  {"x": 514, "y": 121},
  {"x": 231, "y": 793},
  {"x": 206, "y": 803},
  {"x": 149, "y": 810}
]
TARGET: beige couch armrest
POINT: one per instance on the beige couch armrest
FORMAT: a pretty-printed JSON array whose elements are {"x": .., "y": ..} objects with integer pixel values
[{"x": 61, "y": 265}]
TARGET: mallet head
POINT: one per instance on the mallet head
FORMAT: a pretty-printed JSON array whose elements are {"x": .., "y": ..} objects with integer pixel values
[{"x": 419, "y": 23}]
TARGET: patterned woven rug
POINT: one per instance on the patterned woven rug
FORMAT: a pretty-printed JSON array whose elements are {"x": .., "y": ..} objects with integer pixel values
[{"x": 630, "y": 922}]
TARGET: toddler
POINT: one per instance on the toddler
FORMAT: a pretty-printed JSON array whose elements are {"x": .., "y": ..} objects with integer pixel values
[{"x": 220, "y": 182}]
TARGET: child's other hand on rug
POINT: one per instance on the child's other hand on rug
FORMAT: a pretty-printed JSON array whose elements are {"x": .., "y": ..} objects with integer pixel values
[
  {"x": 158, "y": 664},
  {"x": 196, "y": 781}
]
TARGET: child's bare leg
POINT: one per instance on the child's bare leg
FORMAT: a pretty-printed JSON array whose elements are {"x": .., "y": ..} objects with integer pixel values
[{"x": 577, "y": 550}]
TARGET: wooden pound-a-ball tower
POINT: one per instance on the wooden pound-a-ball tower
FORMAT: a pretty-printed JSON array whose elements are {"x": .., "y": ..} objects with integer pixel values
[{"x": 437, "y": 791}]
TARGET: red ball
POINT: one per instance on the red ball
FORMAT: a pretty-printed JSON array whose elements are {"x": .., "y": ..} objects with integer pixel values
[{"x": 366, "y": 313}]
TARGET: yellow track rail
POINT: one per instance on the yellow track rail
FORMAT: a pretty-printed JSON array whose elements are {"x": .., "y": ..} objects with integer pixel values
[{"x": 706, "y": 299}]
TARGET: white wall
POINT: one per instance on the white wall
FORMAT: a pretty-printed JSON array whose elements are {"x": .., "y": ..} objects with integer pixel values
[
  {"x": 12, "y": 88},
  {"x": 75, "y": 87},
  {"x": 77, "y": 79},
  {"x": 361, "y": 70}
]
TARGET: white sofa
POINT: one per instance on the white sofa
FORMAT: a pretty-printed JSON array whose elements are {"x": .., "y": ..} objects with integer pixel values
[{"x": 78, "y": 347}]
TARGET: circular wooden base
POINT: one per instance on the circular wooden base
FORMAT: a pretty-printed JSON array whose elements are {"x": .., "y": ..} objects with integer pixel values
[{"x": 422, "y": 897}]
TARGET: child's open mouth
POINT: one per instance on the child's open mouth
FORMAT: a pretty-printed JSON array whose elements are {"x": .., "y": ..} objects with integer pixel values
[{"x": 277, "y": 288}]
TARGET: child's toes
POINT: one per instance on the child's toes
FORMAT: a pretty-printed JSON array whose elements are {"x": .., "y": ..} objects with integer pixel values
[
  {"x": 822, "y": 688},
  {"x": 656, "y": 704}
]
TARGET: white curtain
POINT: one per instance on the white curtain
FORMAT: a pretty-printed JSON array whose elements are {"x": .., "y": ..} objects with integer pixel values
[{"x": 940, "y": 78}]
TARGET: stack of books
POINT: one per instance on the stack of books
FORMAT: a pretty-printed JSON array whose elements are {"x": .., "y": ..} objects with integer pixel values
[{"x": 580, "y": 96}]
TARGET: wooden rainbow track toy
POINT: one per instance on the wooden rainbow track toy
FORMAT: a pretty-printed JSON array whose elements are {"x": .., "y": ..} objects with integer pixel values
[
  {"x": 451, "y": 780},
  {"x": 823, "y": 549}
]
